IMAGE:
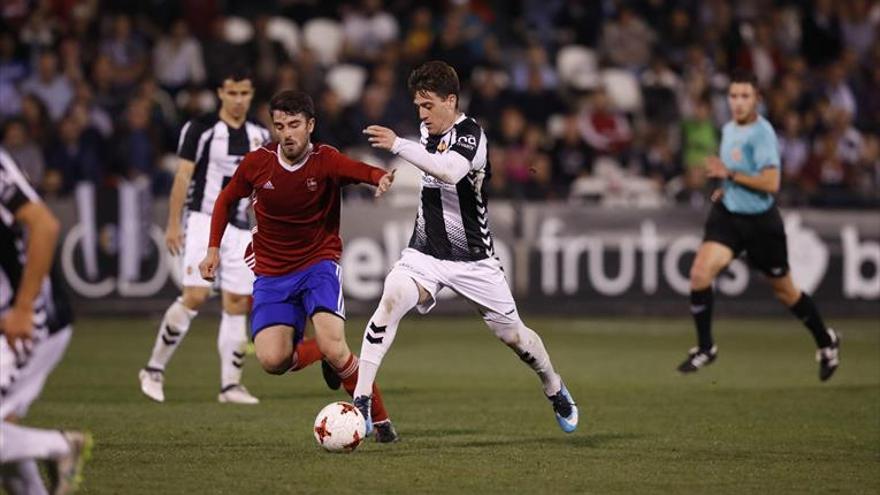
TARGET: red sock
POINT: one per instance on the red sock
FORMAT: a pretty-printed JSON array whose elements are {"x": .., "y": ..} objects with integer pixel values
[
  {"x": 349, "y": 376},
  {"x": 305, "y": 354}
]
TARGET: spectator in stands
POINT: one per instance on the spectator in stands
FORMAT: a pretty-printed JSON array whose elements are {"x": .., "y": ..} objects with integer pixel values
[
  {"x": 265, "y": 55},
  {"x": 837, "y": 89},
  {"x": 758, "y": 55},
  {"x": 177, "y": 59},
  {"x": 36, "y": 119},
  {"x": 71, "y": 57},
  {"x": 452, "y": 47},
  {"x": 627, "y": 41},
  {"x": 699, "y": 138},
  {"x": 533, "y": 67},
  {"x": 606, "y": 130},
  {"x": 24, "y": 150},
  {"x": 660, "y": 89},
  {"x": 860, "y": 21},
  {"x": 367, "y": 30},
  {"x": 126, "y": 53},
  {"x": 794, "y": 151},
  {"x": 419, "y": 37},
  {"x": 75, "y": 156},
  {"x": 489, "y": 99},
  {"x": 570, "y": 156},
  {"x": 332, "y": 125},
  {"x": 50, "y": 86},
  {"x": 821, "y": 36},
  {"x": 219, "y": 54},
  {"x": 537, "y": 102},
  {"x": 135, "y": 145},
  {"x": 13, "y": 70}
]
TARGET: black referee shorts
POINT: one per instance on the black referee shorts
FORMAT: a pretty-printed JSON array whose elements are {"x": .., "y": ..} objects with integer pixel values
[{"x": 761, "y": 236}]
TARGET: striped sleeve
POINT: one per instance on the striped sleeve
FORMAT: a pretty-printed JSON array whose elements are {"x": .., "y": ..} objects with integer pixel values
[
  {"x": 15, "y": 191},
  {"x": 188, "y": 144}
]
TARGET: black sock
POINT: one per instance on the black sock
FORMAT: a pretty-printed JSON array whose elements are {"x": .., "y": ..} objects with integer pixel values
[
  {"x": 806, "y": 311},
  {"x": 701, "y": 310}
]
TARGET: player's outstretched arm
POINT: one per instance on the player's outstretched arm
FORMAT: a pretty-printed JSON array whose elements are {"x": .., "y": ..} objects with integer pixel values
[
  {"x": 43, "y": 229},
  {"x": 448, "y": 167},
  {"x": 19, "y": 198},
  {"x": 766, "y": 181},
  {"x": 239, "y": 187}
]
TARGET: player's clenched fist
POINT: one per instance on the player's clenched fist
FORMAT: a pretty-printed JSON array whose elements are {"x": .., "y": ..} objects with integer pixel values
[
  {"x": 385, "y": 183},
  {"x": 208, "y": 266}
]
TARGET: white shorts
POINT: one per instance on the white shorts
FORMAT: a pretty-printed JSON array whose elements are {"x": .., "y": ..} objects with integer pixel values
[
  {"x": 482, "y": 283},
  {"x": 233, "y": 274},
  {"x": 22, "y": 377}
]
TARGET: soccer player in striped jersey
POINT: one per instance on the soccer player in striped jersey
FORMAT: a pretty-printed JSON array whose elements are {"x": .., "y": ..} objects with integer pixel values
[
  {"x": 296, "y": 189},
  {"x": 744, "y": 218},
  {"x": 35, "y": 327},
  {"x": 451, "y": 244},
  {"x": 210, "y": 149}
]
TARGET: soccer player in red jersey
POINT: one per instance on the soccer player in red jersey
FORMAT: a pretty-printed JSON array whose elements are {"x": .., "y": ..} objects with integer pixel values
[{"x": 296, "y": 189}]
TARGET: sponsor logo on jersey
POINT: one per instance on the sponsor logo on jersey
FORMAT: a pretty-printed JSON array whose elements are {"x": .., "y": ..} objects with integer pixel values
[
  {"x": 268, "y": 185},
  {"x": 467, "y": 141}
]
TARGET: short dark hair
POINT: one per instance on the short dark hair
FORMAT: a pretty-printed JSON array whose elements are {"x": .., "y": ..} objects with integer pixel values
[
  {"x": 292, "y": 101},
  {"x": 435, "y": 76},
  {"x": 234, "y": 74},
  {"x": 742, "y": 76}
]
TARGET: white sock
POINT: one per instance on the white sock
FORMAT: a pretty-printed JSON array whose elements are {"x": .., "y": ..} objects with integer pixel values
[
  {"x": 232, "y": 345},
  {"x": 399, "y": 296},
  {"x": 531, "y": 350},
  {"x": 19, "y": 443},
  {"x": 172, "y": 330},
  {"x": 22, "y": 478}
]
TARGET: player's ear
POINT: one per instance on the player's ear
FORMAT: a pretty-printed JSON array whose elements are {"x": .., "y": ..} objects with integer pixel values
[{"x": 311, "y": 125}]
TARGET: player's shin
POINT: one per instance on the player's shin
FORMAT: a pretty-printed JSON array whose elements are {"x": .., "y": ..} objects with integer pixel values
[
  {"x": 18, "y": 443},
  {"x": 172, "y": 330},
  {"x": 806, "y": 311},
  {"x": 400, "y": 295},
  {"x": 349, "y": 374},
  {"x": 232, "y": 346},
  {"x": 701, "y": 310},
  {"x": 527, "y": 344},
  {"x": 306, "y": 353}
]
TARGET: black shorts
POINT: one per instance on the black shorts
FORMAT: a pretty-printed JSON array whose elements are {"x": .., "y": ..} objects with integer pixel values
[{"x": 761, "y": 236}]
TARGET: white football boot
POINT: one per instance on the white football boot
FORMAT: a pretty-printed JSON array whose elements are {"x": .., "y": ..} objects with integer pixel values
[
  {"x": 237, "y": 394},
  {"x": 152, "y": 381}
]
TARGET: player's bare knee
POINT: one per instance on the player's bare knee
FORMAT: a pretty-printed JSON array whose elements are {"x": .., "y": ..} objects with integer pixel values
[
  {"x": 236, "y": 304},
  {"x": 193, "y": 298},
  {"x": 507, "y": 332},
  {"x": 273, "y": 362},
  {"x": 333, "y": 349}
]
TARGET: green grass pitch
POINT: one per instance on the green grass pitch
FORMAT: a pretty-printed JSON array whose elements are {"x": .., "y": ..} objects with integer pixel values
[{"x": 473, "y": 420}]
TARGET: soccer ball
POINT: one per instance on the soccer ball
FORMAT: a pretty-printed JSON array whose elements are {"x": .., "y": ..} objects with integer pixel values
[{"x": 339, "y": 427}]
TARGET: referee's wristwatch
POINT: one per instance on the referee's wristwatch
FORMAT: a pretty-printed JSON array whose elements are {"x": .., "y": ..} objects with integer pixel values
[{"x": 731, "y": 176}]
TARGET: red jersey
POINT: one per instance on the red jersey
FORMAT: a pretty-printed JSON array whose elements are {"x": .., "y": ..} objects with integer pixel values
[{"x": 297, "y": 206}]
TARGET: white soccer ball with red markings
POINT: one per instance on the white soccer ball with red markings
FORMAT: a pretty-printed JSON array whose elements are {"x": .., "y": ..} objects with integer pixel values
[{"x": 339, "y": 427}]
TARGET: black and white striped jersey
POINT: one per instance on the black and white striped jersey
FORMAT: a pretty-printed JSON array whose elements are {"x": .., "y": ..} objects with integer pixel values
[
  {"x": 51, "y": 308},
  {"x": 216, "y": 149},
  {"x": 452, "y": 222}
]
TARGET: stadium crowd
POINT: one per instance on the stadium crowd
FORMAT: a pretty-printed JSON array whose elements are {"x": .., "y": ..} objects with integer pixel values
[{"x": 609, "y": 101}]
